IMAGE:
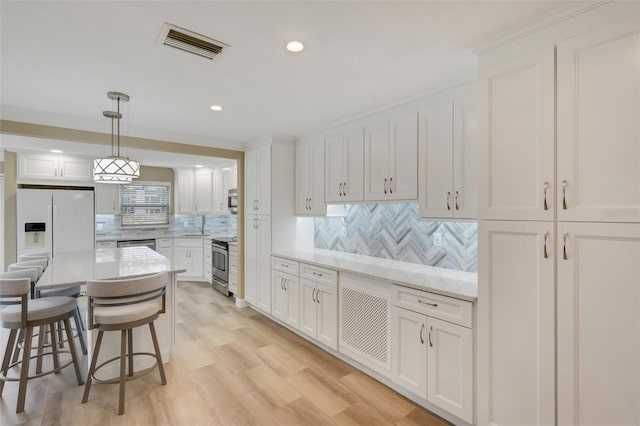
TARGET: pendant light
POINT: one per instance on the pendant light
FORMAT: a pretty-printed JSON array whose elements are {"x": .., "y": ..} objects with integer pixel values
[{"x": 115, "y": 169}]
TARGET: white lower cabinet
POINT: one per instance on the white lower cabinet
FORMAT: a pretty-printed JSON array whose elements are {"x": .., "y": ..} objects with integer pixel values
[
  {"x": 257, "y": 267},
  {"x": 233, "y": 269},
  {"x": 433, "y": 358},
  {"x": 189, "y": 255},
  {"x": 319, "y": 304},
  {"x": 164, "y": 246},
  {"x": 285, "y": 291}
]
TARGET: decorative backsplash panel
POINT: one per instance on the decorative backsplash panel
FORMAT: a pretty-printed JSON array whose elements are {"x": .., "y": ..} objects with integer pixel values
[
  {"x": 392, "y": 231},
  {"x": 179, "y": 224}
]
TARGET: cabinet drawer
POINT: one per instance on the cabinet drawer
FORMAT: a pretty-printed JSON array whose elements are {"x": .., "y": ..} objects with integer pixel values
[
  {"x": 318, "y": 274},
  {"x": 106, "y": 244},
  {"x": 164, "y": 242},
  {"x": 433, "y": 305},
  {"x": 285, "y": 265},
  {"x": 189, "y": 242}
]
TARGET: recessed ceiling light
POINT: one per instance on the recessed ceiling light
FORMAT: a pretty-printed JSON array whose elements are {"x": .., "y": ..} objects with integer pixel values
[
  {"x": 198, "y": 165},
  {"x": 216, "y": 108},
  {"x": 295, "y": 46},
  {"x": 57, "y": 151}
]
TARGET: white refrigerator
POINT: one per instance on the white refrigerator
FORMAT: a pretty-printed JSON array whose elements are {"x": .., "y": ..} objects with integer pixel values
[{"x": 55, "y": 220}]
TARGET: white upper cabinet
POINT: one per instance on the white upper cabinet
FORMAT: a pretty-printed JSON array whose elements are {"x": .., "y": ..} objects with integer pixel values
[
  {"x": 107, "y": 198},
  {"x": 344, "y": 162},
  {"x": 258, "y": 181},
  {"x": 310, "y": 178},
  {"x": 516, "y": 138},
  {"x": 219, "y": 195},
  {"x": 203, "y": 191},
  {"x": 599, "y": 125},
  {"x": 46, "y": 167},
  {"x": 184, "y": 191},
  {"x": 447, "y": 158},
  {"x": 390, "y": 160}
]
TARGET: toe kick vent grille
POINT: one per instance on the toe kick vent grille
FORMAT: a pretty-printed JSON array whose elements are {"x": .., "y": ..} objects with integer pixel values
[{"x": 191, "y": 42}]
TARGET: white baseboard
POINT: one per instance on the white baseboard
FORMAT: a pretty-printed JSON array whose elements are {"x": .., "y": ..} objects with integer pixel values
[{"x": 241, "y": 303}]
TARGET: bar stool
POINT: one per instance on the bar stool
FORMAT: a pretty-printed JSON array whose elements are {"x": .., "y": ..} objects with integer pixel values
[
  {"x": 122, "y": 305},
  {"x": 25, "y": 314},
  {"x": 35, "y": 256}
]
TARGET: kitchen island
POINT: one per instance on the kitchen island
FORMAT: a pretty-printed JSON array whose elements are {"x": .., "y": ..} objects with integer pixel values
[{"x": 75, "y": 268}]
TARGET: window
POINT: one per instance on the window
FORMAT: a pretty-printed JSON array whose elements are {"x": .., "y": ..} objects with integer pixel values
[{"x": 145, "y": 204}]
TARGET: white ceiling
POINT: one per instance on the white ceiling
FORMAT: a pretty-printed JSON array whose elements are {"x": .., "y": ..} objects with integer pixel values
[{"x": 60, "y": 58}]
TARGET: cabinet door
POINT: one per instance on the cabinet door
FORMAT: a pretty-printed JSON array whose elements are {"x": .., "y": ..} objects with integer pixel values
[
  {"x": 196, "y": 255},
  {"x": 516, "y": 326},
  {"x": 450, "y": 368},
  {"x": 220, "y": 195},
  {"x": 409, "y": 350},
  {"x": 598, "y": 324},
  {"x": 264, "y": 181},
  {"x": 182, "y": 260},
  {"x": 516, "y": 138},
  {"x": 327, "y": 320},
  {"x": 263, "y": 262},
  {"x": 184, "y": 191},
  {"x": 107, "y": 198},
  {"x": 251, "y": 260},
  {"x": 303, "y": 176},
  {"x": 316, "y": 179},
  {"x": 203, "y": 191},
  {"x": 335, "y": 167},
  {"x": 465, "y": 158},
  {"x": 403, "y": 158},
  {"x": 376, "y": 162},
  {"x": 279, "y": 303},
  {"x": 250, "y": 181},
  {"x": 37, "y": 166},
  {"x": 598, "y": 125},
  {"x": 308, "y": 307},
  {"x": 353, "y": 188},
  {"x": 292, "y": 291},
  {"x": 436, "y": 161},
  {"x": 75, "y": 169}
]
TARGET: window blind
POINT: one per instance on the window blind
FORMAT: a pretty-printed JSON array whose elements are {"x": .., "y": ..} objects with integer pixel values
[{"x": 145, "y": 204}]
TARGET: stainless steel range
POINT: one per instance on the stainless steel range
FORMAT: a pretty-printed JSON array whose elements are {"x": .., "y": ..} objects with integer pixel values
[{"x": 220, "y": 263}]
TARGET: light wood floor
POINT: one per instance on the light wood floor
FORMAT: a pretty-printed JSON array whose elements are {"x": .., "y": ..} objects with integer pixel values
[{"x": 231, "y": 367}]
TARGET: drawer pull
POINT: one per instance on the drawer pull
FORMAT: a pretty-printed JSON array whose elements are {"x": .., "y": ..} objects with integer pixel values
[
  {"x": 284, "y": 265},
  {"x": 317, "y": 274},
  {"x": 435, "y": 305}
]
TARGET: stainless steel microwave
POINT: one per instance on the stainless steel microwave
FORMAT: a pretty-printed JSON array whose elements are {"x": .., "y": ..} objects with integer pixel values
[{"x": 233, "y": 201}]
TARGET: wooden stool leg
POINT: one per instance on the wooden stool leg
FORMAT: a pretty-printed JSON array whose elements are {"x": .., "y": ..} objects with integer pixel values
[
  {"x": 60, "y": 336},
  {"x": 41, "y": 334},
  {"x": 78, "y": 320},
  {"x": 24, "y": 369},
  {"x": 79, "y": 314},
  {"x": 92, "y": 367},
  {"x": 7, "y": 355},
  {"x": 72, "y": 349},
  {"x": 54, "y": 348},
  {"x": 123, "y": 359},
  {"x": 156, "y": 347},
  {"x": 130, "y": 350},
  {"x": 16, "y": 353}
]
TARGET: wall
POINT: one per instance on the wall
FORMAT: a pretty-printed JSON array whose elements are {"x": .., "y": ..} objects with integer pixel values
[{"x": 392, "y": 231}]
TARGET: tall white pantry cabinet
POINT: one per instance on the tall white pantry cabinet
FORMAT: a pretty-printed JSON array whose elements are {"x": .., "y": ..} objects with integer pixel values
[{"x": 559, "y": 231}]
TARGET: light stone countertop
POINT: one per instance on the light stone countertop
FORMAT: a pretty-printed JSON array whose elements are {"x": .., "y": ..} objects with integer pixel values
[
  {"x": 151, "y": 236},
  {"x": 447, "y": 282}
]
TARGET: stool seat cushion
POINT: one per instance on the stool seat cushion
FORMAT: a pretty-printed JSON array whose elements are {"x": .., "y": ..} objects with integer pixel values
[
  {"x": 40, "y": 309},
  {"x": 67, "y": 291},
  {"x": 124, "y": 314}
]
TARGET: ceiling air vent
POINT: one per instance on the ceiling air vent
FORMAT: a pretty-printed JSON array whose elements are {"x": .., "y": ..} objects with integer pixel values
[{"x": 190, "y": 42}]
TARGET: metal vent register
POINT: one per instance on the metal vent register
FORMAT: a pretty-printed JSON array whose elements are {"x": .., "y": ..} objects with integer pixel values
[{"x": 190, "y": 41}]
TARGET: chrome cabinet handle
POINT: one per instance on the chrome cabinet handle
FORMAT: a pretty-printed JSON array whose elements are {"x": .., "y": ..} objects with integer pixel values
[
  {"x": 391, "y": 185},
  {"x": 457, "y": 195},
  {"x": 435, "y": 305},
  {"x": 344, "y": 188},
  {"x": 565, "y": 234},
  {"x": 281, "y": 284},
  {"x": 545, "y": 254},
  {"x": 285, "y": 284},
  {"x": 385, "y": 185},
  {"x": 317, "y": 274},
  {"x": 430, "y": 330},
  {"x": 284, "y": 265},
  {"x": 61, "y": 172},
  {"x": 422, "y": 334},
  {"x": 449, "y": 200},
  {"x": 55, "y": 172},
  {"x": 564, "y": 195},
  {"x": 313, "y": 295},
  {"x": 546, "y": 188},
  {"x": 114, "y": 206},
  {"x": 317, "y": 295},
  {"x": 340, "y": 189}
]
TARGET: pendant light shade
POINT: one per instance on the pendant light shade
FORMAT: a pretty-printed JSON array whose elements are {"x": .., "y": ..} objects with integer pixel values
[{"x": 115, "y": 169}]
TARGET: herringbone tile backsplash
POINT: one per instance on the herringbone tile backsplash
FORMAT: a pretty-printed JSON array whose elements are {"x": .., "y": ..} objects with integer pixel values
[{"x": 393, "y": 231}]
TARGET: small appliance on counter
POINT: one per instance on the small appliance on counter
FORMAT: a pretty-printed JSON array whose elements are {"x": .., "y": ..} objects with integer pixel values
[
  {"x": 233, "y": 201},
  {"x": 220, "y": 263}
]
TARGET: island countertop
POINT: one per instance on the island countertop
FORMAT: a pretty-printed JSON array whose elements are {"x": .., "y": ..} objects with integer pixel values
[
  {"x": 74, "y": 268},
  {"x": 447, "y": 282}
]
